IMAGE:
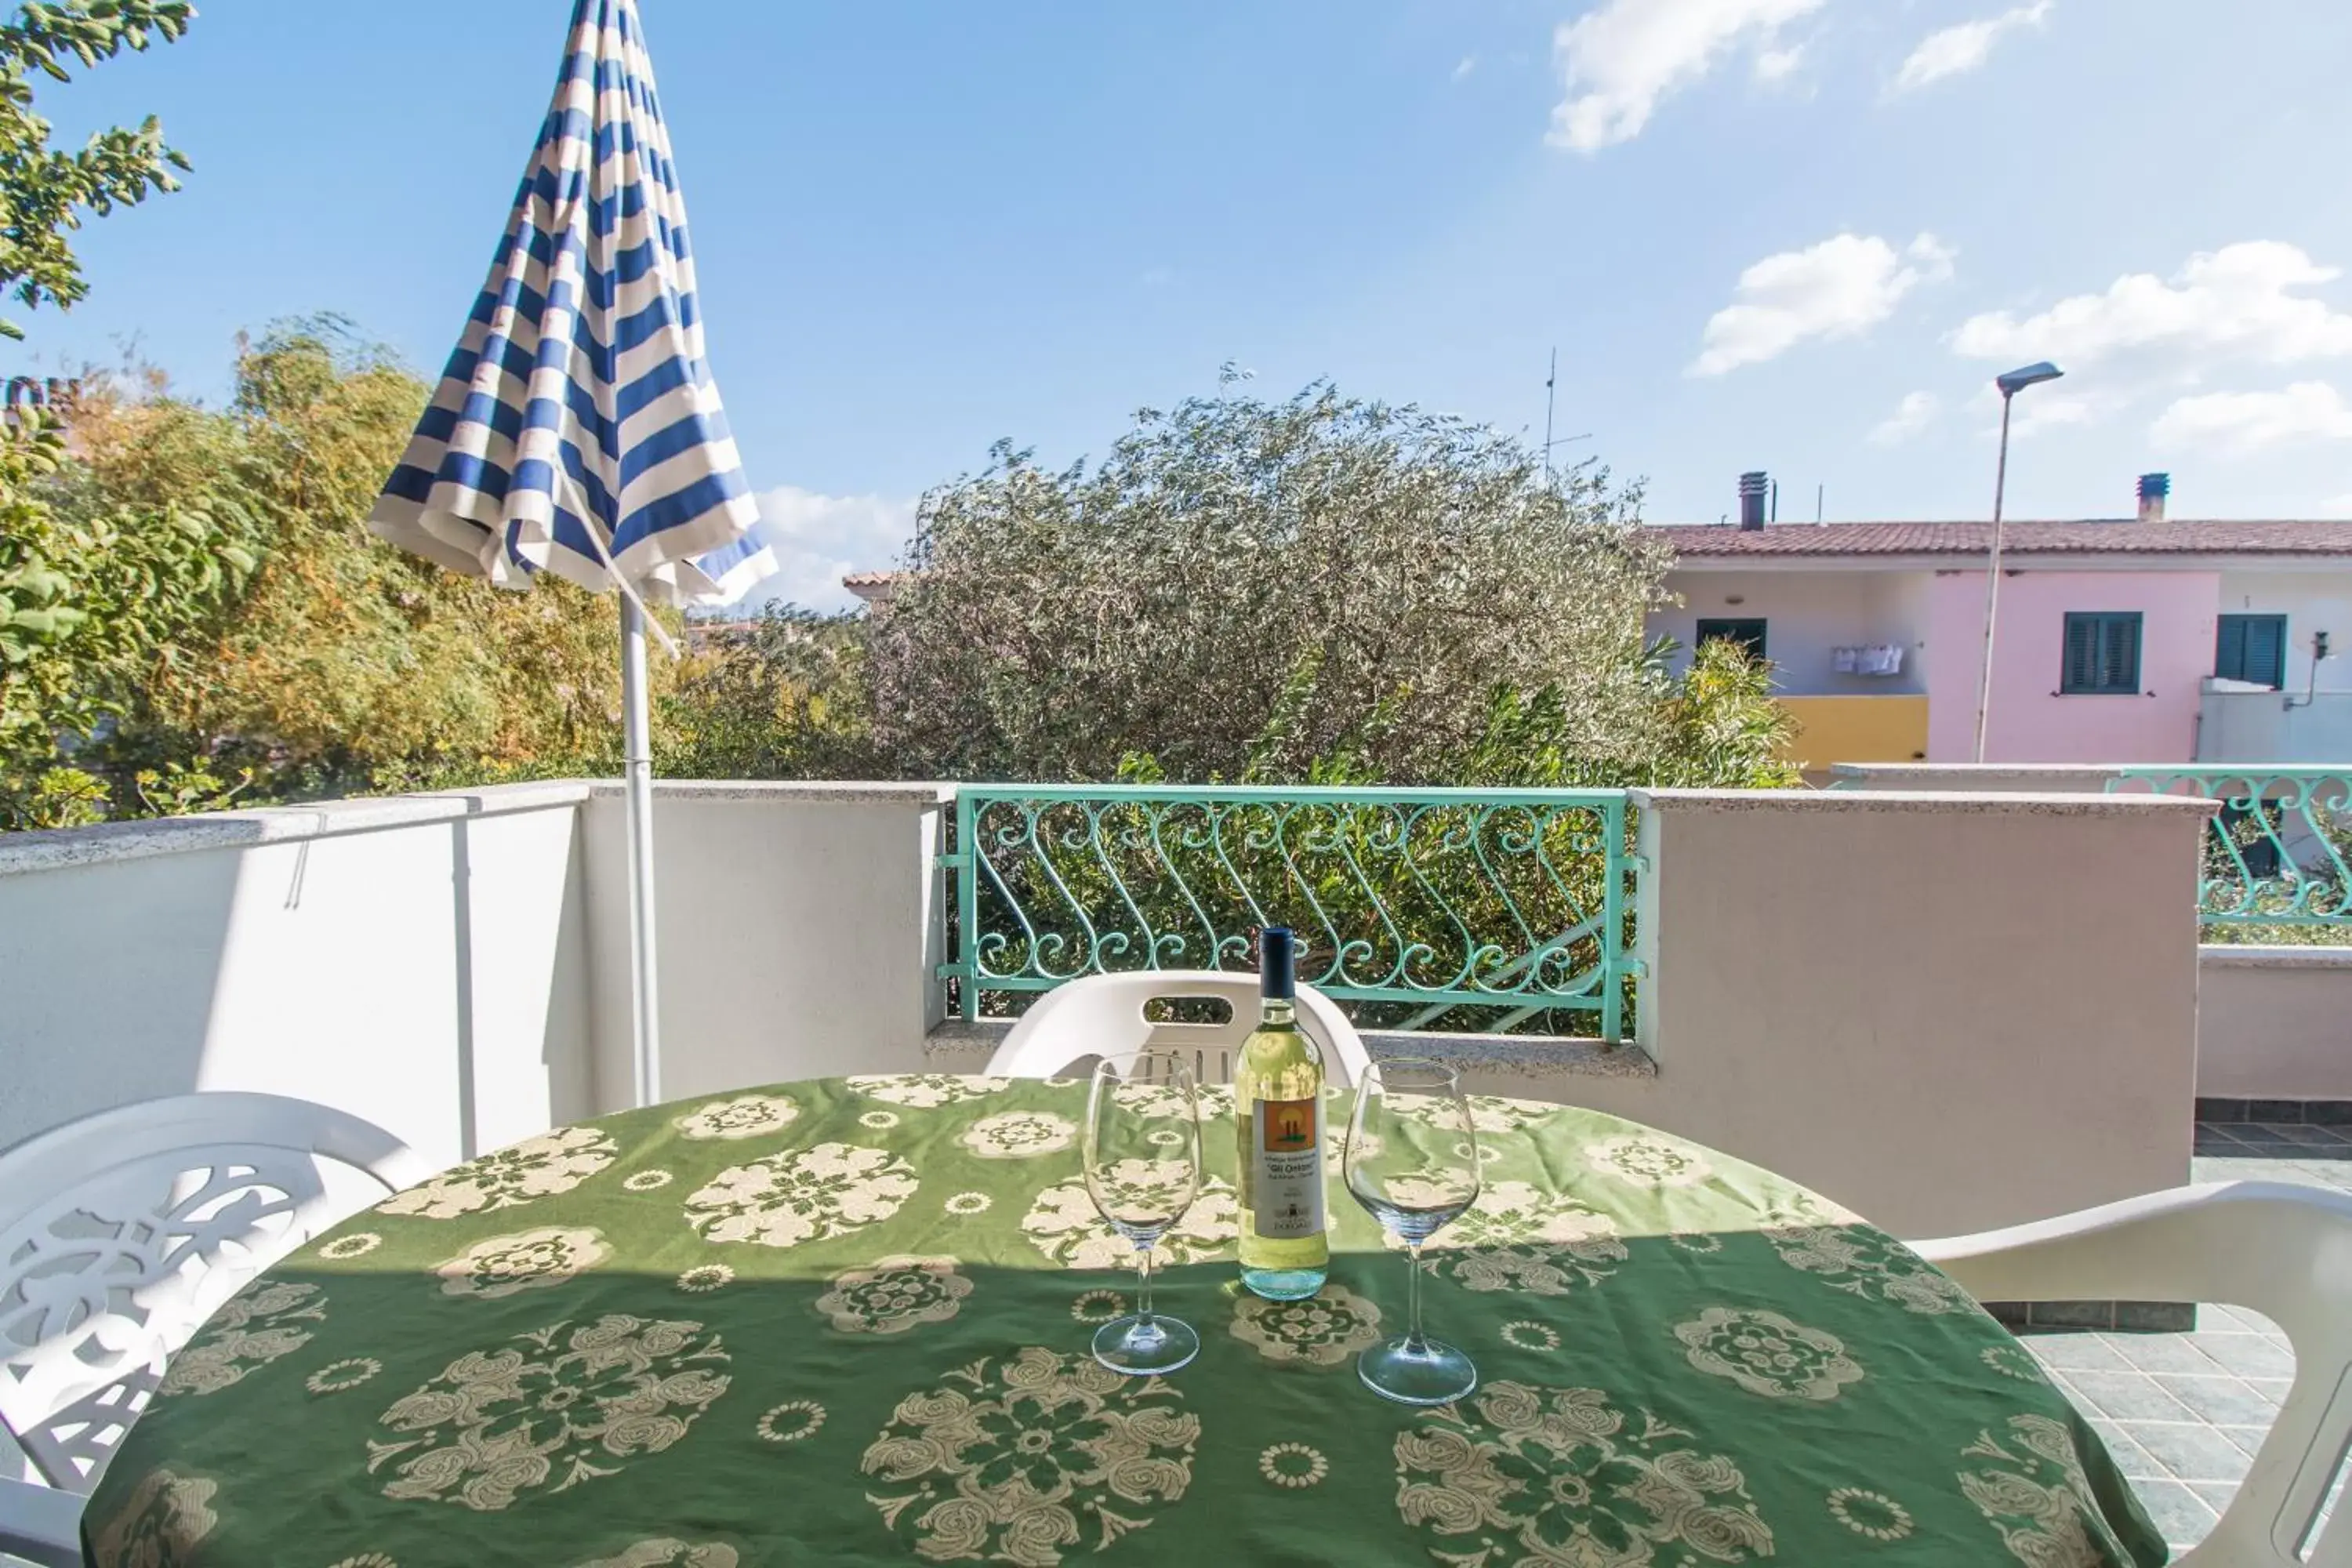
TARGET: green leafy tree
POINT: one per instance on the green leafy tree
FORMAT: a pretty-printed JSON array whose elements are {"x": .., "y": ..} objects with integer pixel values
[
  {"x": 94, "y": 602},
  {"x": 46, "y": 192},
  {"x": 62, "y": 641}
]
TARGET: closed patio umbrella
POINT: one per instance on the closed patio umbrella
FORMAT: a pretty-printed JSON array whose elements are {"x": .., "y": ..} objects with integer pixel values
[{"x": 576, "y": 429}]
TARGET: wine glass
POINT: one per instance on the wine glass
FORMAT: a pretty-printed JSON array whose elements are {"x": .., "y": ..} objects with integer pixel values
[
  {"x": 1405, "y": 1163},
  {"x": 1142, "y": 1182}
]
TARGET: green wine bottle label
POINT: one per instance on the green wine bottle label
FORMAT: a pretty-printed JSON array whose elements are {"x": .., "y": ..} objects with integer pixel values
[{"x": 1288, "y": 1152}]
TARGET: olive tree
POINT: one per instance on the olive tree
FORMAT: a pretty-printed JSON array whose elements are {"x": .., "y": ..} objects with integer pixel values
[{"x": 1243, "y": 588}]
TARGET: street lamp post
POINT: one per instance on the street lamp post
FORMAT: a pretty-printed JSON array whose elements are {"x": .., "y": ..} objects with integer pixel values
[{"x": 2009, "y": 384}]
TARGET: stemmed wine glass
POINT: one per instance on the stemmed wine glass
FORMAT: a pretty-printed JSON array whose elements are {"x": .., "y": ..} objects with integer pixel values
[
  {"x": 1142, "y": 1182},
  {"x": 1413, "y": 1181}
]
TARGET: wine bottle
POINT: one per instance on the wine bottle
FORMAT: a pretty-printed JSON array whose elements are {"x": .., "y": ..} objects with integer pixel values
[{"x": 1278, "y": 1129}]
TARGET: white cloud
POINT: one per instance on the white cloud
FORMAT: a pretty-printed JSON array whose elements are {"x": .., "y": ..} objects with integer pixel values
[
  {"x": 2042, "y": 408},
  {"x": 2239, "y": 423},
  {"x": 819, "y": 539},
  {"x": 2051, "y": 411},
  {"x": 1775, "y": 66},
  {"x": 2231, "y": 301},
  {"x": 1955, "y": 51},
  {"x": 1462, "y": 71},
  {"x": 1913, "y": 415},
  {"x": 1843, "y": 285},
  {"x": 1619, "y": 58}
]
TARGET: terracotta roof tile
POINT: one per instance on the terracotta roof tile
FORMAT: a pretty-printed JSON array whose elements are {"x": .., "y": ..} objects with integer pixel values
[
  {"x": 2125, "y": 537},
  {"x": 870, "y": 579}
]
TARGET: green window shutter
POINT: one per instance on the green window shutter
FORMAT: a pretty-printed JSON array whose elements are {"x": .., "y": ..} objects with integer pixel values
[
  {"x": 2251, "y": 647},
  {"x": 2102, "y": 653},
  {"x": 2082, "y": 654},
  {"x": 2119, "y": 658},
  {"x": 2229, "y": 647},
  {"x": 2266, "y": 650}
]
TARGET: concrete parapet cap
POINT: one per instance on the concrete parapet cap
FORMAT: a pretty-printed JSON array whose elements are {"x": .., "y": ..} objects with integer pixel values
[
  {"x": 818, "y": 791},
  {"x": 1922, "y": 801},
  {"x": 2088, "y": 773},
  {"x": 55, "y": 849},
  {"x": 2229, "y": 956}
]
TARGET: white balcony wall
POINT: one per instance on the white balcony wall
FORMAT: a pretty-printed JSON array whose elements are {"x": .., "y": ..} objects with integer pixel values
[
  {"x": 800, "y": 931},
  {"x": 2293, "y": 726},
  {"x": 455, "y": 967},
  {"x": 419, "y": 962}
]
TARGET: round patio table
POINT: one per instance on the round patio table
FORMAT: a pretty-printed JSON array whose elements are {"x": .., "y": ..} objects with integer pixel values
[{"x": 846, "y": 1322}]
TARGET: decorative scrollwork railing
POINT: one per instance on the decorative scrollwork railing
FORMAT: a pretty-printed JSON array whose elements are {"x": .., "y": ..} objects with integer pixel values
[
  {"x": 2277, "y": 851},
  {"x": 1483, "y": 909}
]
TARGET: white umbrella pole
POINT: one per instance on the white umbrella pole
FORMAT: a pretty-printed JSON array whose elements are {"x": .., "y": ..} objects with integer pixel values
[{"x": 638, "y": 776}]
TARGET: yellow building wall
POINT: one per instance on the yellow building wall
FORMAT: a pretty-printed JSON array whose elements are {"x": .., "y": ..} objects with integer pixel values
[{"x": 1890, "y": 729}]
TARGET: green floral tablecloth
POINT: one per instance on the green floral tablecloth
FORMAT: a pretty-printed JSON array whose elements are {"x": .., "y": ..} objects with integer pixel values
[{"x": 847, "y": 1321}]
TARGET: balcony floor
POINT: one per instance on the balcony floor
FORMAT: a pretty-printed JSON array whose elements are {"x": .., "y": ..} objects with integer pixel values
[{"x": 2184, "y": 1412}]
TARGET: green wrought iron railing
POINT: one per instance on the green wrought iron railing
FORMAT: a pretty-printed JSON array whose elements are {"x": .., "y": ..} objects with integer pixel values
[
  {"x": 2277, "y": 851},
  {"x": 1492, "y": 910}
]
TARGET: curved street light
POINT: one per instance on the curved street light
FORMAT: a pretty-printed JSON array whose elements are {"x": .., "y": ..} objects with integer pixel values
[{"x": 2010, "y": 384}]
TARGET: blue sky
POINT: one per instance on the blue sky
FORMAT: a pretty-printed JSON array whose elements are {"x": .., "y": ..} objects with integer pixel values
[{"x": 1796, "y": 235}]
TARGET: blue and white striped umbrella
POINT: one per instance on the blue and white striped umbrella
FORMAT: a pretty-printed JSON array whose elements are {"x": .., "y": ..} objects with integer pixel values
[{"x": 576, "y": 429}]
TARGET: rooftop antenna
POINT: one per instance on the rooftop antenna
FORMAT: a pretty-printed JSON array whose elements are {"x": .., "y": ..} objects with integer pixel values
[
  {"x": 1818, "y": 490},
  {"x": 1552, "y": 384}
]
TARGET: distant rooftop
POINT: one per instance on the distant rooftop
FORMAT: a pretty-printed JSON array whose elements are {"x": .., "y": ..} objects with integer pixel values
[
  {"x": 2284, "y": 538},
  {"x": 2121, "y": 536},
  {"x": 873, "y": 587}
]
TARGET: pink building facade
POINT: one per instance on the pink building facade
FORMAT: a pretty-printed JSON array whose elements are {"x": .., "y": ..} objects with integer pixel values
[
  {"x": 2115, "y": 642},
  {"x": 2029, "y": 718}
]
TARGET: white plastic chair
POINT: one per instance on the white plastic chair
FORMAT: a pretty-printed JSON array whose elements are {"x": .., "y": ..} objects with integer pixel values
[
  {"x": 120, "y": 1234},
  {"x": 1103, "y": 1016},
  {"x": 2280, "y": 1250}
]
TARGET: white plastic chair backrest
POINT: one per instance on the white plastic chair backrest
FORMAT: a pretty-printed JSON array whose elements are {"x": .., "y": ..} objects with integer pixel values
[
  {"x": 121, "y": 1232},
  {"x": 2284, "y": 1251},
  {"x": 1103, "y": 1016}
]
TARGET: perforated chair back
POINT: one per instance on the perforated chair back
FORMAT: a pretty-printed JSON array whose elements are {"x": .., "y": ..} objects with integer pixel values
[
  {"x": 1104, "y": 1016},
  {"x": 121, "y": 1232}
]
